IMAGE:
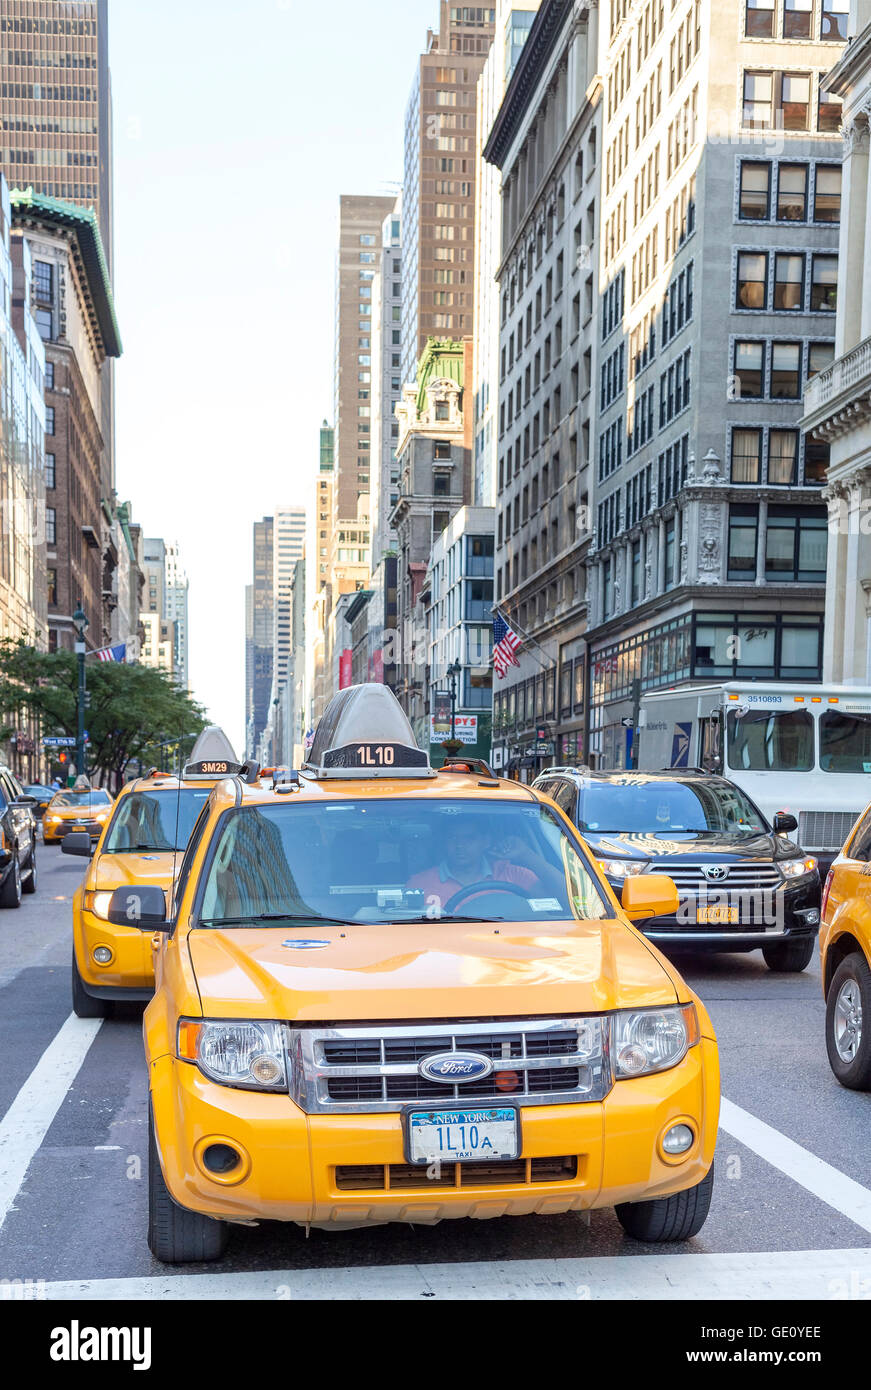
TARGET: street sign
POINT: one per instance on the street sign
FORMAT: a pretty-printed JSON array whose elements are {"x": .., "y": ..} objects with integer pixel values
[
  {"x": 628, "y": 722},
  {"x": 59, "y": 742}
]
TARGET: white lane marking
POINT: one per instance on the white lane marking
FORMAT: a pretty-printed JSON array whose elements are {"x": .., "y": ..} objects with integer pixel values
[
  {"x": 26, "y": 1122},
  {"x": 818, "y": 1274},
  {"x": 832, "y": 1186}
]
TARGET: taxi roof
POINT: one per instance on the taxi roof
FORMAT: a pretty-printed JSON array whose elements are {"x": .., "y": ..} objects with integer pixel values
[{"x": 437, "y": 785}]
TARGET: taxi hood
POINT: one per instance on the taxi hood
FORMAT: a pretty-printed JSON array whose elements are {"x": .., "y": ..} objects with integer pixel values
[
  {"x": 443, "y": 970},
  {"x": 112, "y": 871}
]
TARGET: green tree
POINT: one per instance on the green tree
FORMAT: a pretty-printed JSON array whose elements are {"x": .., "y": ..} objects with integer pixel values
[{"x": 133, "y": 709}]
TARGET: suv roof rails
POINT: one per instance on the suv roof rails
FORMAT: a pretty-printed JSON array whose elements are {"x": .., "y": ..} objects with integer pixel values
[{"x": 468, "y": 765}]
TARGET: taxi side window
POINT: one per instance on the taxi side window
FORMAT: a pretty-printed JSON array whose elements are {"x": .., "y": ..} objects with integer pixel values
[
  {"x": 860, "y": 845},
  {"x": 184, "y": 871}
]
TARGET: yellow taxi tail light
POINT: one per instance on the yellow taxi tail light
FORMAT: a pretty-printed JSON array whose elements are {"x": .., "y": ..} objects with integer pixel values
[{"x": 188, "y": 1038}]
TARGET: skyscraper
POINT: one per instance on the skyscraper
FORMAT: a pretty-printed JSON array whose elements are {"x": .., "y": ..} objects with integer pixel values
[
  {"x": 259, "y": 654},
  {"x": 438, "y": 236},
  {"x": 288, "y": 545},
  {"x": 176, "y": 611}
]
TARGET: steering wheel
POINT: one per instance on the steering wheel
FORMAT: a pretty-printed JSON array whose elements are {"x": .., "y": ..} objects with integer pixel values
[{"x": 487, "y": 885}]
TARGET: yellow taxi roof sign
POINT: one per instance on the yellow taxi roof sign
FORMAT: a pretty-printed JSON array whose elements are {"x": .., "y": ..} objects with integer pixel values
[
  {"x": 212, "y": 756},
  {"x": 364, "y": 732}
]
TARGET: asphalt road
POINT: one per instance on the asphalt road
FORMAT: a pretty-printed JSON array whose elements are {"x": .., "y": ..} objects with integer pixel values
[{"x": 800, "y": 1182}]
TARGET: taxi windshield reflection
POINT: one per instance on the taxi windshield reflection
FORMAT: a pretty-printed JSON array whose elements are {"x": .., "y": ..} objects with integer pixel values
[{"x": 396, "y": 861}]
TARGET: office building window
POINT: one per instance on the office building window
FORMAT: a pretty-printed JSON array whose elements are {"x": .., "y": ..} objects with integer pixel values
[
  {"x": 833, "y": 20},
  {"x": 43, "y": 281},
  {"x": 49, "y": 419},
  {"x": 788, "y": 282},
  {"x": 816, "y": 461},
  {"x": 43, "y": 321},
  {"x": 797, "y": 16},
  {"x": 829, "y": 114},
  {"x": 752, "y": 278},
  {"x": 827, "y": 193},
  {"x": 746, "y": 455},
  {"x": 670, "y": 532},
  {"x": 755, "y": 191},
  {"x": 785, "y": 371},
  {"x": 743, "y": 524},
  {"x": 50, "y": 526},
  {"x": 795, "y": 96},
  {"x": 749, "y": 370},
  {"x": 441, "y": 449},
  {"x": 49, "y": 376},
  {"x": 50, "y": 470},
  {"x": 792, "y": 192},
  {"x": 782, "y": 456},
  {"x": 795, "y": 545},
  {"x": 51, "y": 586},
  {"x": 824, "y": 284},
  {"x": 820, "y": 356},
  {"x": 759, "y": 19},
  {"x": 758, "y": 99}
]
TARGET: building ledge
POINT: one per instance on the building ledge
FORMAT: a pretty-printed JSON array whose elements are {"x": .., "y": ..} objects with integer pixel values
[{"x": 839, "y": 398}]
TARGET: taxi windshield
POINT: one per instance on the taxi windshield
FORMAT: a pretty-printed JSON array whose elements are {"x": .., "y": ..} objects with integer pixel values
[
  {"x": 94, "y": 797},
  {"x": 155, "y": 820},
  {"x": 395, "y": 861}
]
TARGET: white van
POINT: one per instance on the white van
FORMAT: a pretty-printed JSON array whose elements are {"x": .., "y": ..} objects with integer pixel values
[{"x": 800, "y": 748}]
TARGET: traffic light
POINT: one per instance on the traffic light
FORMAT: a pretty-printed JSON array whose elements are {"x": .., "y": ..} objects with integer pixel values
[
  {"x": 63, "y": 757},
  {"x": 87, "y": 699}
]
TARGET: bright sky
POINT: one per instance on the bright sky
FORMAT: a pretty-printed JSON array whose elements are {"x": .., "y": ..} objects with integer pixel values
[{"x": 237, "y": 127}]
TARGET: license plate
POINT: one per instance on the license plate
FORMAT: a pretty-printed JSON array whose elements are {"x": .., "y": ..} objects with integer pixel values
[
  {"x": 718, "y": 912},
  {"x": 463, "y": 1136}
]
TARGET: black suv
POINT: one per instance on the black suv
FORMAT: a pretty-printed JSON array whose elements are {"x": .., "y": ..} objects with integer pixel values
[
  {"x": 742, "y": 883},
  {"x": 17, "y": 841}
]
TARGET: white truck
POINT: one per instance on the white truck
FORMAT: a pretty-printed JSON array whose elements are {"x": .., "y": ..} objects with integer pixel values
[{"x": 793, "y": 747}]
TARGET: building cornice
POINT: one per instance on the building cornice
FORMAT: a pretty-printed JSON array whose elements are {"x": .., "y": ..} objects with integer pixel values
[
  {"x": 537, "y": 50},
  {"x": 854, "y": 64}
]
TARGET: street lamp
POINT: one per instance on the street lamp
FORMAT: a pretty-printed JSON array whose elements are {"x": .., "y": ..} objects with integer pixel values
[
  {"x": 455, "y": 670},
  {"x": 81, "y": 623}
]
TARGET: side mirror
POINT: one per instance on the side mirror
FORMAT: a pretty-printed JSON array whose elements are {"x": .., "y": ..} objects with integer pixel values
[
  {"x": 649, "y": 895},
  {"x": 77, "y": 842},
  {"x": 784, "y": 822},
  {"x": 25, "y": 801},
  {"x": 141, "y": 905}
]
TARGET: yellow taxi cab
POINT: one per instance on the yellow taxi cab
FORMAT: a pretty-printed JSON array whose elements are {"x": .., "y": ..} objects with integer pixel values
[
  {"x": 141, "y": 845},
  {"x": 845, "y": 953},
  {"x": 81, "y": 808},
  {"x": 386, "y": 993}
]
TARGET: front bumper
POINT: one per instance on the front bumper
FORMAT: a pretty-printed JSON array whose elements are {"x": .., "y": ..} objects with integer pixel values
[
  {"x": 764, "y": 917},
  {"x": 130, "y": 972},
  {"x": 291, "y": 1159}
]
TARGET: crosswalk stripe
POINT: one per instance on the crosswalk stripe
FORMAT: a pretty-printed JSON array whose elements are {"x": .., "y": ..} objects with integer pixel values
[
  {"x": 812, "y": 1274},
  {"x": 832, "y": 1186},
  {"x": 26, "y": 1122}
]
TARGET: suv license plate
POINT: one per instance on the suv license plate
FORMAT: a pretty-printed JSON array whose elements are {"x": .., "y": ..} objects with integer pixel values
[
  {"x": 717, "y": 913},
  {"x": 463, "y": 1136}
]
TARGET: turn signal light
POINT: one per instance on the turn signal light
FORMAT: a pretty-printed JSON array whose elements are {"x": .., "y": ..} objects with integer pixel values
[{"x": 188, "y": 1037}]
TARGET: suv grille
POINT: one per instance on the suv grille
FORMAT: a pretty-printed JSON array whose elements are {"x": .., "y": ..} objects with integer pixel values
[
  {"x": 741, "y": 878},
  {"x": 825, "y": 829},
  {"x": 536, "y": 1062},
  {"x": 390, "y": 1177}
]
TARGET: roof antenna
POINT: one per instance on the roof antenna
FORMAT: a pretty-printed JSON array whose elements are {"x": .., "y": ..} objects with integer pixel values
[{"x": 177, "y": 816}]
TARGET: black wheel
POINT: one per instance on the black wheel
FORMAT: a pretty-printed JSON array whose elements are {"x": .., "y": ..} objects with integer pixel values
[
  {"x": 848, "y": 1023},
  {"x": 678, "y": 1217},
  {"x": 10, "y": 889},
  {"x": 28, "y": 884},
  {"x": 789, "y": 956},
  {"x": 175, "y": 1234},
  {"x": 84, "y": 1004}
]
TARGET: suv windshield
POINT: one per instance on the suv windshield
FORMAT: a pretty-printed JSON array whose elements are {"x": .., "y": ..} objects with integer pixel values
[
  {"x": 759, "y": 740},
  {"x": 845, "y": 742},
  {"x": 394, "y": 861},
  {"x": 667, "y": 808},
  {"x": 155, "y": 820},
  {"x": 95, "y": 797}
]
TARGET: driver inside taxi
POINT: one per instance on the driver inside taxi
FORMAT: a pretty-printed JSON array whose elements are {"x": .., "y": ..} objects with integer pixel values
[{"x": 472, "y": 856}]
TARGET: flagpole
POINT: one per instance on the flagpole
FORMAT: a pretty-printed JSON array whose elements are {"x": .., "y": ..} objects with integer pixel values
[{"x": 545, "y": 660}]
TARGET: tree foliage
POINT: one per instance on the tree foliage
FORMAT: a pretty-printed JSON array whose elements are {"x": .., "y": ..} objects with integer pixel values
[{"x": 132, "y": 708}]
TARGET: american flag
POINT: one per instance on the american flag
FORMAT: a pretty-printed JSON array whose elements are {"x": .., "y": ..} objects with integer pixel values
[
  {"x": 118, "y": 653},
  {"x": 505, "y": 644}
]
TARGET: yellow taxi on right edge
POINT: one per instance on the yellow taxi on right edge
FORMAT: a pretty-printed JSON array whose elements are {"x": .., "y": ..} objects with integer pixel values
[
  {"x": 845, "y": 952},
  {"x": 391, "y": 994}
]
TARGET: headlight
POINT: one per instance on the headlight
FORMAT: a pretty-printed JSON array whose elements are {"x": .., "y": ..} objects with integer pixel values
[
  {"x": 98, "y": 903},
  {"x": 235, "y": 1054},
  {"x": 647, "y": 1040},
  {"x": 622, "y": 868},
  {"x": 797, "y": 868}
]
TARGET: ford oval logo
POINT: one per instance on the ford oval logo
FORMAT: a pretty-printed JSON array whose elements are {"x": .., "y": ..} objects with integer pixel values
[{"x": 455, "y": 1068}]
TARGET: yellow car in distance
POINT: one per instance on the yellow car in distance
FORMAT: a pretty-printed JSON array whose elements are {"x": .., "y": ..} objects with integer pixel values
[
  {"x": 142, "y": 846},
  {"x": 845, "y": 954},
  {"x": 387, "y": 993},
  {"x": 71, "y": 809}
]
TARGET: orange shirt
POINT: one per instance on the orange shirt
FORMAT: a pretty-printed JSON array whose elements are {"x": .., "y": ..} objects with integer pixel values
[{"x": 438, "y": 886}]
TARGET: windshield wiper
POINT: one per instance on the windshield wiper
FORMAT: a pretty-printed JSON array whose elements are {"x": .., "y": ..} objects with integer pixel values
[
  {"x": 309, "y": 918},
  {"x": 442, "y": 917}
]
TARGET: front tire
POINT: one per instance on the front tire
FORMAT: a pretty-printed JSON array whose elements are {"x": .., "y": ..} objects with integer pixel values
[
  {"x": 175, "y": 1234},
  {"x": 84, "y": 1004},
  {"x": 10, "y": 890},
  {"x": 678, "y": 1217},
  {"x": 848, "y": 1023},
  {"x": 789, "y": 957}
]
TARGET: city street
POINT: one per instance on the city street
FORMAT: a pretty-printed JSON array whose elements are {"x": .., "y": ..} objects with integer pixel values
[{"x": 791, "y": 1215}]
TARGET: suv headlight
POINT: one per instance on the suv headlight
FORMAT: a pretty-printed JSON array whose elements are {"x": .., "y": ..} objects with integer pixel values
[
  {"x": 622, "y": 868},
  {"x": 648, "y": 1040},
  {"x": 797, "y": 868},
  {"x": 235, "y": 1053}
]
